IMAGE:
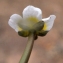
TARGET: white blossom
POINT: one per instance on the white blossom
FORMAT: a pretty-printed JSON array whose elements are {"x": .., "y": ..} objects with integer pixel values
[{"x": 31, "y": 16}]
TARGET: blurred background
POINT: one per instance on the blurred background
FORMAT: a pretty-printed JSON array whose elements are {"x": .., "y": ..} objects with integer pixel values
[{"x": 47, "y": 49}]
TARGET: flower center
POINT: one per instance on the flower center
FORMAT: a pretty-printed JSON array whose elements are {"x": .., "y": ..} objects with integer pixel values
[
  {"x": 31, "y": 21},
  {"x": 28, "y": 23}
]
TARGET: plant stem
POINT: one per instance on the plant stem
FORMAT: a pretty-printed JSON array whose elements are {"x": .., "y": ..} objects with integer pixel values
[{"x": 28, "y": 49}]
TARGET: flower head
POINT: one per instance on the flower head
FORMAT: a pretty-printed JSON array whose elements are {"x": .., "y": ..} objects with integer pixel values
[{"x": 31, "y": 21}]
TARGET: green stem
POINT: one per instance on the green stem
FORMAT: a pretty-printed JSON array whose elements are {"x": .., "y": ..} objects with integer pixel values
[{"x": 28, "y": 49}]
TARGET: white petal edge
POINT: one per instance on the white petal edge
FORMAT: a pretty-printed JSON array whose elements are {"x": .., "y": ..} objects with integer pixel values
[
  {"x": 13, "y": 25},
  {"x": 32, "y": 11},
  {"x": 49, "y": 22},
  {"x": 16, "y": 18}
]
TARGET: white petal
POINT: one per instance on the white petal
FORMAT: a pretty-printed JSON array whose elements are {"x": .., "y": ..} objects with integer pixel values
[
  {"x": 49, "y": 22},
  {"x": 16, "y": 18},
  {"x": 32, "y": 11},
  {"x": 13, "y": 25}
]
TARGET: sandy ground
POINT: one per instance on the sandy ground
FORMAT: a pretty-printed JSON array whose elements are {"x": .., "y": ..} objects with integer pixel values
[{"x": 48, "y": 49}]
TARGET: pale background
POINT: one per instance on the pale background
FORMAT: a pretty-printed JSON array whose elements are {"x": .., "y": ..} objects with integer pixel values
[{"x": 48, "y": 49}]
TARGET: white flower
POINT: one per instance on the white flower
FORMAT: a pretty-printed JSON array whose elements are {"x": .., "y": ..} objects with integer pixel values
[{"x": 31, "y": 16}]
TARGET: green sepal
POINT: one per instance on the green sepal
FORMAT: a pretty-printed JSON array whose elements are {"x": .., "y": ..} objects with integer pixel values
[
  {"x": 38, "y": 26},
  {"x": 23, "y": 33},
  {"x": 43, "y": 33}
]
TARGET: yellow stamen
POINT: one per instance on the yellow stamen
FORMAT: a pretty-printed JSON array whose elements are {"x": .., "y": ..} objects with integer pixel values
[
  {"x": 45, "y": 27},
  {"x": 19, "y": 29},
  {"x": 33, "y": 19}
]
